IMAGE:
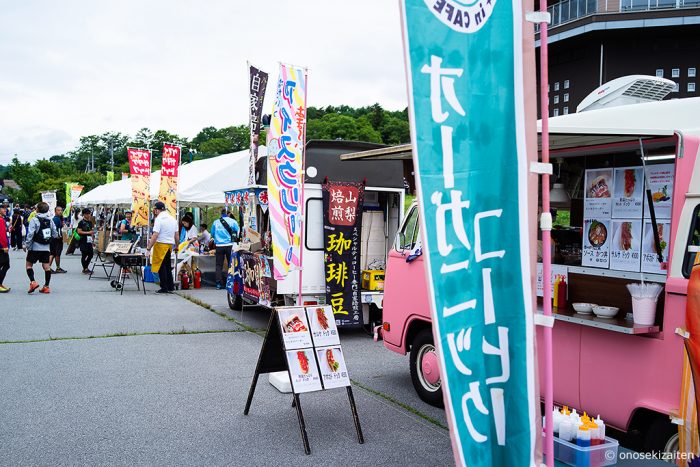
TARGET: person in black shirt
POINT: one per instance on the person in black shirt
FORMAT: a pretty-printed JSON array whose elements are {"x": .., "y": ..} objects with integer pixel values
[{"x": 86, "y": 230}]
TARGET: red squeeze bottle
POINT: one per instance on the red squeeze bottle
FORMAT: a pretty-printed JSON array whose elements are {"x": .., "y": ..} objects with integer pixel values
[{"x": 561, "y": 295}]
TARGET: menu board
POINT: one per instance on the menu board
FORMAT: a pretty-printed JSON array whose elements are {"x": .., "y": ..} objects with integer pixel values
[
  {"x": 628, "y": 193},
  {"x": 303, "y": 370},
  {"x": 660, "y": 182},
  {"x": 596, "y": 243},
  {"x": 295, "y": 328},
  {"x": 625, "y": 245},
  {"x": 598, "y": 193},
  {"x": 650, "y": 260},
  {"x": 323, "y": 327},
  {"x": 333, "y": 369}
]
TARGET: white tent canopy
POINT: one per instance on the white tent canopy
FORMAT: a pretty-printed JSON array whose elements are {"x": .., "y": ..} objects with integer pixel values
[{"x": 201, "y": 183}]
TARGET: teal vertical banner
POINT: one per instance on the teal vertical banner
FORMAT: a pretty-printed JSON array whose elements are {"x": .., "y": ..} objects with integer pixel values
[{"x": 464, "y": 68}]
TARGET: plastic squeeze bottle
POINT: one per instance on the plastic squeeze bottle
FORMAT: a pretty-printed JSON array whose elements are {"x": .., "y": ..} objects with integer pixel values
[
  {"x": 561, "y": 296},
  {"x": 555, "y": 295},
  {"x": 601, "y": 427},
  {"x": 566, "y": 429}
]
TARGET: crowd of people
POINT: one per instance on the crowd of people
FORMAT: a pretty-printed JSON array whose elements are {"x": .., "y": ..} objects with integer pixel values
[{"x": 43, "y": 234}]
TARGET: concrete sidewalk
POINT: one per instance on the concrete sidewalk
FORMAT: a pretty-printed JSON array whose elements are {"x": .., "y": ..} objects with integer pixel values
[{"x": 178, "y": 398}]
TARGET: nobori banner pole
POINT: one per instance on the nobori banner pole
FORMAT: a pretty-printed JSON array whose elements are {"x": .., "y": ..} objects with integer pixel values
[
  {"x": 301, "y": 198},
  {"x": 546, "y": 226}
]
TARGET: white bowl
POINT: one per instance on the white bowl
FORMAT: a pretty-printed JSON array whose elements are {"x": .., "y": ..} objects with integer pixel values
[
  {"x": 605, "y": 311},
  {"x": 584, "y": 308}
]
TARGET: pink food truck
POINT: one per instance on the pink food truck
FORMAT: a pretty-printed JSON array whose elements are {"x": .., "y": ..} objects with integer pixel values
[{"x": 605, "y": 162}]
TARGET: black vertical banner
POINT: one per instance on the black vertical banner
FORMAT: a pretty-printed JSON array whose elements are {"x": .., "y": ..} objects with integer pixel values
[
  {"x": 342, "y": 225},
  {"x": 258, "y": 84}
]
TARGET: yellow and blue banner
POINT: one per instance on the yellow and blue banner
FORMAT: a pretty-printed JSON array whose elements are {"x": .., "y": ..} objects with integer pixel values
[
  {"x": 285, "y": 166},
  {"x": 465, "y": 80}
]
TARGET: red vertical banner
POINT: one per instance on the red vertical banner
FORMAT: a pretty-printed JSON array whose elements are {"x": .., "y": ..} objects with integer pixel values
[
  {"x": 140, "y": 169},
  {"x": 168, "y": 177}
]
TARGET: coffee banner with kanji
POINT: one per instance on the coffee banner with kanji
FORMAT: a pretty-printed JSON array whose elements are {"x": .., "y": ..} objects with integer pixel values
[
  {"x": 464, "y": 64},
  {"x": 342, "y": 226},
  {"x": 140, "y": 169},
  {"x": 168, "y": 177},
  {"x": 258, "y": 84},
  {"x": 285, "y": 152}
]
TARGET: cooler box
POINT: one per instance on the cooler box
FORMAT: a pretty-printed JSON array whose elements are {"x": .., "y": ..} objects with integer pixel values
[{"x": 373, "y": 279}]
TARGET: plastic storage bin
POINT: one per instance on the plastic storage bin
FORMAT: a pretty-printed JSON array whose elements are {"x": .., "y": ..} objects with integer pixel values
[
  {"x": 372, "y": 279},
  {"x": 592, "y": 456}
]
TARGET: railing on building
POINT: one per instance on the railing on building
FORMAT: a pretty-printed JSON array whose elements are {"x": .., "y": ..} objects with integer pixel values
[{"x": 571, "y": 10}]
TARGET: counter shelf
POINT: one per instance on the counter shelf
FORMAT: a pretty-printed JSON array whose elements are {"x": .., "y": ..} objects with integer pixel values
[{"x": 621, "y": 325}]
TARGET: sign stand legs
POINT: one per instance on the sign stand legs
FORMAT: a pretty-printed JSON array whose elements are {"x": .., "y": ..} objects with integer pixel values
[
  {"x": 302, "y": 424},
  {"x": 355, "y": 417}
]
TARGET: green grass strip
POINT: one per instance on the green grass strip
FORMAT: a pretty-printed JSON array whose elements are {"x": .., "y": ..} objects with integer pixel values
[
  {"x": 122, "y": 334},
  {"x": 406, "y": 407},
  {"x": 206, "y": 306}
]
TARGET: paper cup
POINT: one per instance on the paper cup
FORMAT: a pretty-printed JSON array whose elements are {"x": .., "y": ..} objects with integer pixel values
[{"x": 644, "y": 311}]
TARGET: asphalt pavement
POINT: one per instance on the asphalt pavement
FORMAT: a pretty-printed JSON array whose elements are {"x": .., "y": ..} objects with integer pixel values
[{"x": 92, "y": 377}]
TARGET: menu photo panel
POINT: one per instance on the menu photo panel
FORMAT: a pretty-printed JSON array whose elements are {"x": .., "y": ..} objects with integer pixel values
[
  {"x": 650, "y": 258},
  {"x": 598, "y": 193},
  {"x": 628, "y": 193},
  {"x": 333, "y": 369},
  {"x": 597, "y": 236},
  {"x": 295, "y": 327},
  {"x": 660, "y": 182},
  {"x": 625, "y": 246},
  {"x": 303, "y": 370},
  {"x": 323, "y": 326}
]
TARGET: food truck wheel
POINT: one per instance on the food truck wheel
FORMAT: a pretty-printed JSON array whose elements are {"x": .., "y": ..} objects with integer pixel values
[
  {"x": 425, "y": 372},
  {"x": 235, "y": 302},
  {"x": 662, "y": 436}
]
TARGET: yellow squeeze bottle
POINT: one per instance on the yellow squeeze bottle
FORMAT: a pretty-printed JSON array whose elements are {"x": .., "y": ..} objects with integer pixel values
[{"x": 555, "y": 295}]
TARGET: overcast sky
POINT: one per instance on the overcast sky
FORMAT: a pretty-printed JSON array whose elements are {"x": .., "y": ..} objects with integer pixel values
[{"x": 71, "y": 68}]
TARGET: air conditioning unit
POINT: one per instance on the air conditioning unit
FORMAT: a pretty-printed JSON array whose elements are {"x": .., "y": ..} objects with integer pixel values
[{"x": 633, "y": 89}]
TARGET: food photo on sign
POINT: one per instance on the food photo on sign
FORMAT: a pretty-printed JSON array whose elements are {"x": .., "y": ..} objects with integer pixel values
[
  {"x": 295, "y": 328},
  {"x": 333, "y": 369},
  {"x": 303, "y": 370},
  {"x": 596, "y": 243},
  {"x": 323, "y": 327}
]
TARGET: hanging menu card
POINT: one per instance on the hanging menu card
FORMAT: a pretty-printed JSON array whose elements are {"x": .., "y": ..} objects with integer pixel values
[
  {"x": 598, "y": 193},
  {"x": 625, "y": 245},
  {"x": 628, "y": 193},
  {"x": 650, "y": 260},
  {"x": 596, "y": 242},
  {"x": 660, "y": 182}
]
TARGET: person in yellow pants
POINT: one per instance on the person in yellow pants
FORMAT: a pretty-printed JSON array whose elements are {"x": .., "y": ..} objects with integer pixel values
[{"x": 162, "y": 242}]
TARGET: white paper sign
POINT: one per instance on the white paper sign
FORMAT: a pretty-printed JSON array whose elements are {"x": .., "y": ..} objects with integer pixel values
[
  {"x": 650, "y": 260},
  {"x": 625, "y": 246},
  {"x": 49, "y": 197},
  {"x": 333, "y": 369},
  {"x": 660, "y": 182},
  {"x": 295, "y": 327},
  {"x": 628, "y": 193},
  {"x": 598, "y": 193},
  {"x": 322, "y": 324},
  {"x": 303, "y": 370},
  {"x": 557, "y": 270},
  {"x": 596, "y": 243}
]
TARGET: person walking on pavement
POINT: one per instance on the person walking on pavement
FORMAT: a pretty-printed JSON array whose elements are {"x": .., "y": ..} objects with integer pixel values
[
  {"x": 40, "y": 231},
  {"x": 126, "y": 231},
  {"x": 57, "y": 243},
  {"x": 86, "y": 230},
  {"x": 162, "y": 242},
  {"x": 74, "y": 221},
  {"x": 4, "y": 250},
  {"x": 16, "y": 224},
  {"x": 224, "y": 231}
]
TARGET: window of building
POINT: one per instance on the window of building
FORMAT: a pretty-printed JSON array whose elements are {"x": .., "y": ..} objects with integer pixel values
[
  {"x": 566, "y": 84},
  {"x": 675, "y": 72},
  {"x": 660, "y": 72},
  {"x": 556, "y": 112},
  {"x": 691, "y": 87},
  {"x": 556, "y": 99},
  {"x": 675, "y": 87},
  {"x": 566, "y": 97},
  {"x": 566, "y": 111},
  {"x": 556, "y": 86},
  {"x": 691, "y": 72}
]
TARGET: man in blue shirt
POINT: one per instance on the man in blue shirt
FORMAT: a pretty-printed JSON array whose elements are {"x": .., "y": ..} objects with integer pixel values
[
  {"x": 225, "y": 232},
  {"x": 57, "y": 243}
]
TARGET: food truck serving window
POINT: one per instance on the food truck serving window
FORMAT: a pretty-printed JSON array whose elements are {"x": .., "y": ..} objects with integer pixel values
[{"x": 693, "y": 240}]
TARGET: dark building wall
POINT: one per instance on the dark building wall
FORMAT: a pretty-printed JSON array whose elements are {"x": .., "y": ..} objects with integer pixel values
[{"x": 625, "y": 52}]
